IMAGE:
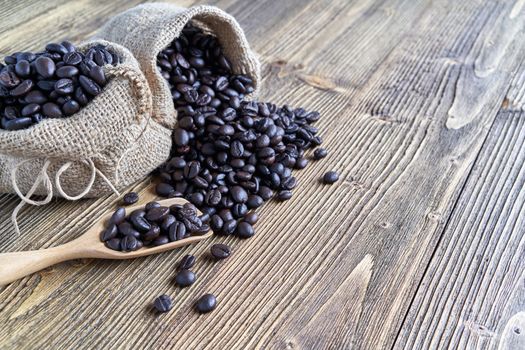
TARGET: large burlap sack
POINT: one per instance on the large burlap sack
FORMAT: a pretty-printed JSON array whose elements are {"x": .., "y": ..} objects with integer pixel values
[
  {"x": 149, "y": 28},
  {"x": 109, "y": 144}
]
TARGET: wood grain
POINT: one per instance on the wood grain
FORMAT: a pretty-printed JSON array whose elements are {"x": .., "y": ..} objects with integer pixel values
[
  {"x": 473, "y": 291},
  {"x": 408, "y": 90}
]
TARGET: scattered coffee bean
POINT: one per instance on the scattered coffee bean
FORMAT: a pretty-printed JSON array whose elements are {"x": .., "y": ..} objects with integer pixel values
[
  {"x": 48, "y": 84},
  {"x": 330, "y": 177},
  {"x": 320, "y": 153},
  {"x": 245, "y": 230},
  {"x": 187, "y": 262},
  {"x": 220, "y": 251},
  {"x": 130, "y": 198},
  {"x": 206, "y": 303},
  {"x": 185, "y": 278},
  {"x": 163, "y": 303}
]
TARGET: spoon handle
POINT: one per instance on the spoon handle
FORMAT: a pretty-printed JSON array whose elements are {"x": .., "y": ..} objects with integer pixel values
[{"x": 16, "y": 265}]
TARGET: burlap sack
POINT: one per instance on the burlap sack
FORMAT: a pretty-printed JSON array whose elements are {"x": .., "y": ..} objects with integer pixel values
[
  {"x": 111, "y": 142},
  {"x": 149, "y": 28}
]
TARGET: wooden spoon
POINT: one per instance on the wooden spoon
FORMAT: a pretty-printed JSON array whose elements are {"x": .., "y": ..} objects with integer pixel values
[{"x": 16, "y": 265}]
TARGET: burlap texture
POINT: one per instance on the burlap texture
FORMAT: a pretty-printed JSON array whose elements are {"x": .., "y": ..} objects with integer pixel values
[
  {"x": 114, "y": 132},
  {"x": 149, "y": 28}
]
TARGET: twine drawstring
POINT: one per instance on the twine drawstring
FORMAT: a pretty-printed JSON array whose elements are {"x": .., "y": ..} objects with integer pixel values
[{"x": 43, "y": 178}]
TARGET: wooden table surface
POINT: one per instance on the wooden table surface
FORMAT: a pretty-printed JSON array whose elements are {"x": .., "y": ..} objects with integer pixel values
[{"x": 419, "y": 245}]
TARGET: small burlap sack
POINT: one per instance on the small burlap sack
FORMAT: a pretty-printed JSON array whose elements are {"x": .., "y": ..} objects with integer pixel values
[
  {"x": 109, "y": 144},
  {"x": 149, "y": 28}
]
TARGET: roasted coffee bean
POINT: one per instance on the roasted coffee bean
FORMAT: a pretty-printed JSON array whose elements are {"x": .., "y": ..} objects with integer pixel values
[
  {"x": 320, "y": 153},
  {"x": 152, "y": 233},
  {"x": 220, "y": 251},
  {"x": 113, "y": 244},
  {"x": 45, "y": 66},
  {"x": 330, "y": 177},
  {"x": 177, "y": 231},
  {"x": 51, "y": 110},
  {"x": 239, "y": 210},
  {"x": 254, "y": 201},
  {"x": 67, "y": 71},
  {"x": 167, "y": 222},
  {"x": 71, "y": 107},
  {"x": 251, "y": 218},
  {"x": 244, "y": 230},
  {"x": 118, "y": 216},
  {"x": 185, "y": 278},
  {"x": 129, "y": 243},
  {"x": 163, "y": 303},
  {"x": 23, "y": 68},
  {"x": 23, "y": 88},
  {"x": 181, "y": 137},
  {"x": 206, "y": 303},
  {"x": 191, "y": 170},
  {"x": 265, "y": 192},
  {"x": 152, "y": 205},
  {"x": 301, "y": 163},
  {"x": 160, "y": 240},
  {"x": 284, "y": 195},
  {"x": 35, "y": 96},
  {"x": 187, "y": 262},
  {"x": 164, "y": 189},
  {"x": 89, "y": 85},
  {"x": 97, "y": 74},
  {"x": 130, "y": 198},
  {"x": 109, "y": 233},
  {"x": 140, "y": 223},
  {"x": 239, "y": 194},
  {"x": 127, "y": 229},
  {"x": 16, "y": 124},
  {"x": 216, "y": 223},
  {"x": 157, "y": 214},
  {"x": 30, "y": 109}
]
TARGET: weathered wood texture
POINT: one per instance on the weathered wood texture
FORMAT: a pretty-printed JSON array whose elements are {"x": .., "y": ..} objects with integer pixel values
[{"x": 409, "y": 91}]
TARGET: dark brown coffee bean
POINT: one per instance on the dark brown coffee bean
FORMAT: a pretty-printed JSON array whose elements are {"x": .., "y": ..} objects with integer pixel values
[
  {"x": 23, "y": 88},
  {"x": 151, "y": 205},
  {"x": 191, "y": 170},
  {"x": 301, "y": 163},
  {"x": 30, "y": 109},
  {"x": 113, "y": 244},
  {"x": 71, "y": 107},
  {"x": 163, "y": 303},
  {"x": 157, "y": 214},
  {"x": 35, "y": 96},
  {"x": 216, "y": 223},
  {"x": 177, "y": 231},
  {"x": 16, "y": 124},
  {"x": 330, "y": 177},
  {"x": 160, "y": 240},
  {"x": 251, "y": 218},
  {"x": 238, "y": 194},
  {"x": 185, "y": 278},
  {"x": 23, "y": 68},
  {"x": 140, "y": 223},
  {"x": 72, "y": 58},
  {"x": 244, "y": 230},
  {"x": 284, "y": 195},
  {"x": 320, "y": 153},
  {"x": 254, "y": 201},
  {"x": 187, "y": 262},
  {"x": 89, "y": 85},
  {"x": 45, "y": 66},
  {"x": 164, "y": 189},
  {"x": 129, "y": 243},
  {"x": 64, "y": 86},
  {"x": 51, "y": 110},
  {"x": 180, "y": 137},
  {"x": 206, "y": 303},
  {"x": 58, "y": 48},
  {"x": 167, "y": 222},
  {"x": 109, "y": 233},
  {"x": 67, "y": 71},
  {"x": 127, "y": 229},
  {"x": 130, "y": 198},
  {"x": 97, "y": 74},
  {"x": 220, "y": 251},
  {"x": 152, "y": 233},
  {"x": 118, "y": 216}
]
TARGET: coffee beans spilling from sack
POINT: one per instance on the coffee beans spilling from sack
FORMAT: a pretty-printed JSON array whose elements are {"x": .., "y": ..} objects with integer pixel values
[
  {"x": 54, "y": 83},
  {"x": 229, "y": 154}
]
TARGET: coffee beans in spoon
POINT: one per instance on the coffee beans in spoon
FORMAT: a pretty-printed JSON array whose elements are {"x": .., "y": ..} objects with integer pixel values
[
  {"x": 54, "y": 83},
  {"x": 152, "y": 226}
]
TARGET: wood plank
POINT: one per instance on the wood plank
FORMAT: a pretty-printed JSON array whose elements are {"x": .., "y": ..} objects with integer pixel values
[
  {"x": 387, "y": 77},
  {"x": 472, "y": 295}
]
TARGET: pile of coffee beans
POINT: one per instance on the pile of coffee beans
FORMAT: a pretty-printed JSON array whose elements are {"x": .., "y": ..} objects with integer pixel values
[
  {"x": 54, "y": 83},
  {"x": 152, "y": 226},
  {"x": 229, "y": 155}
]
